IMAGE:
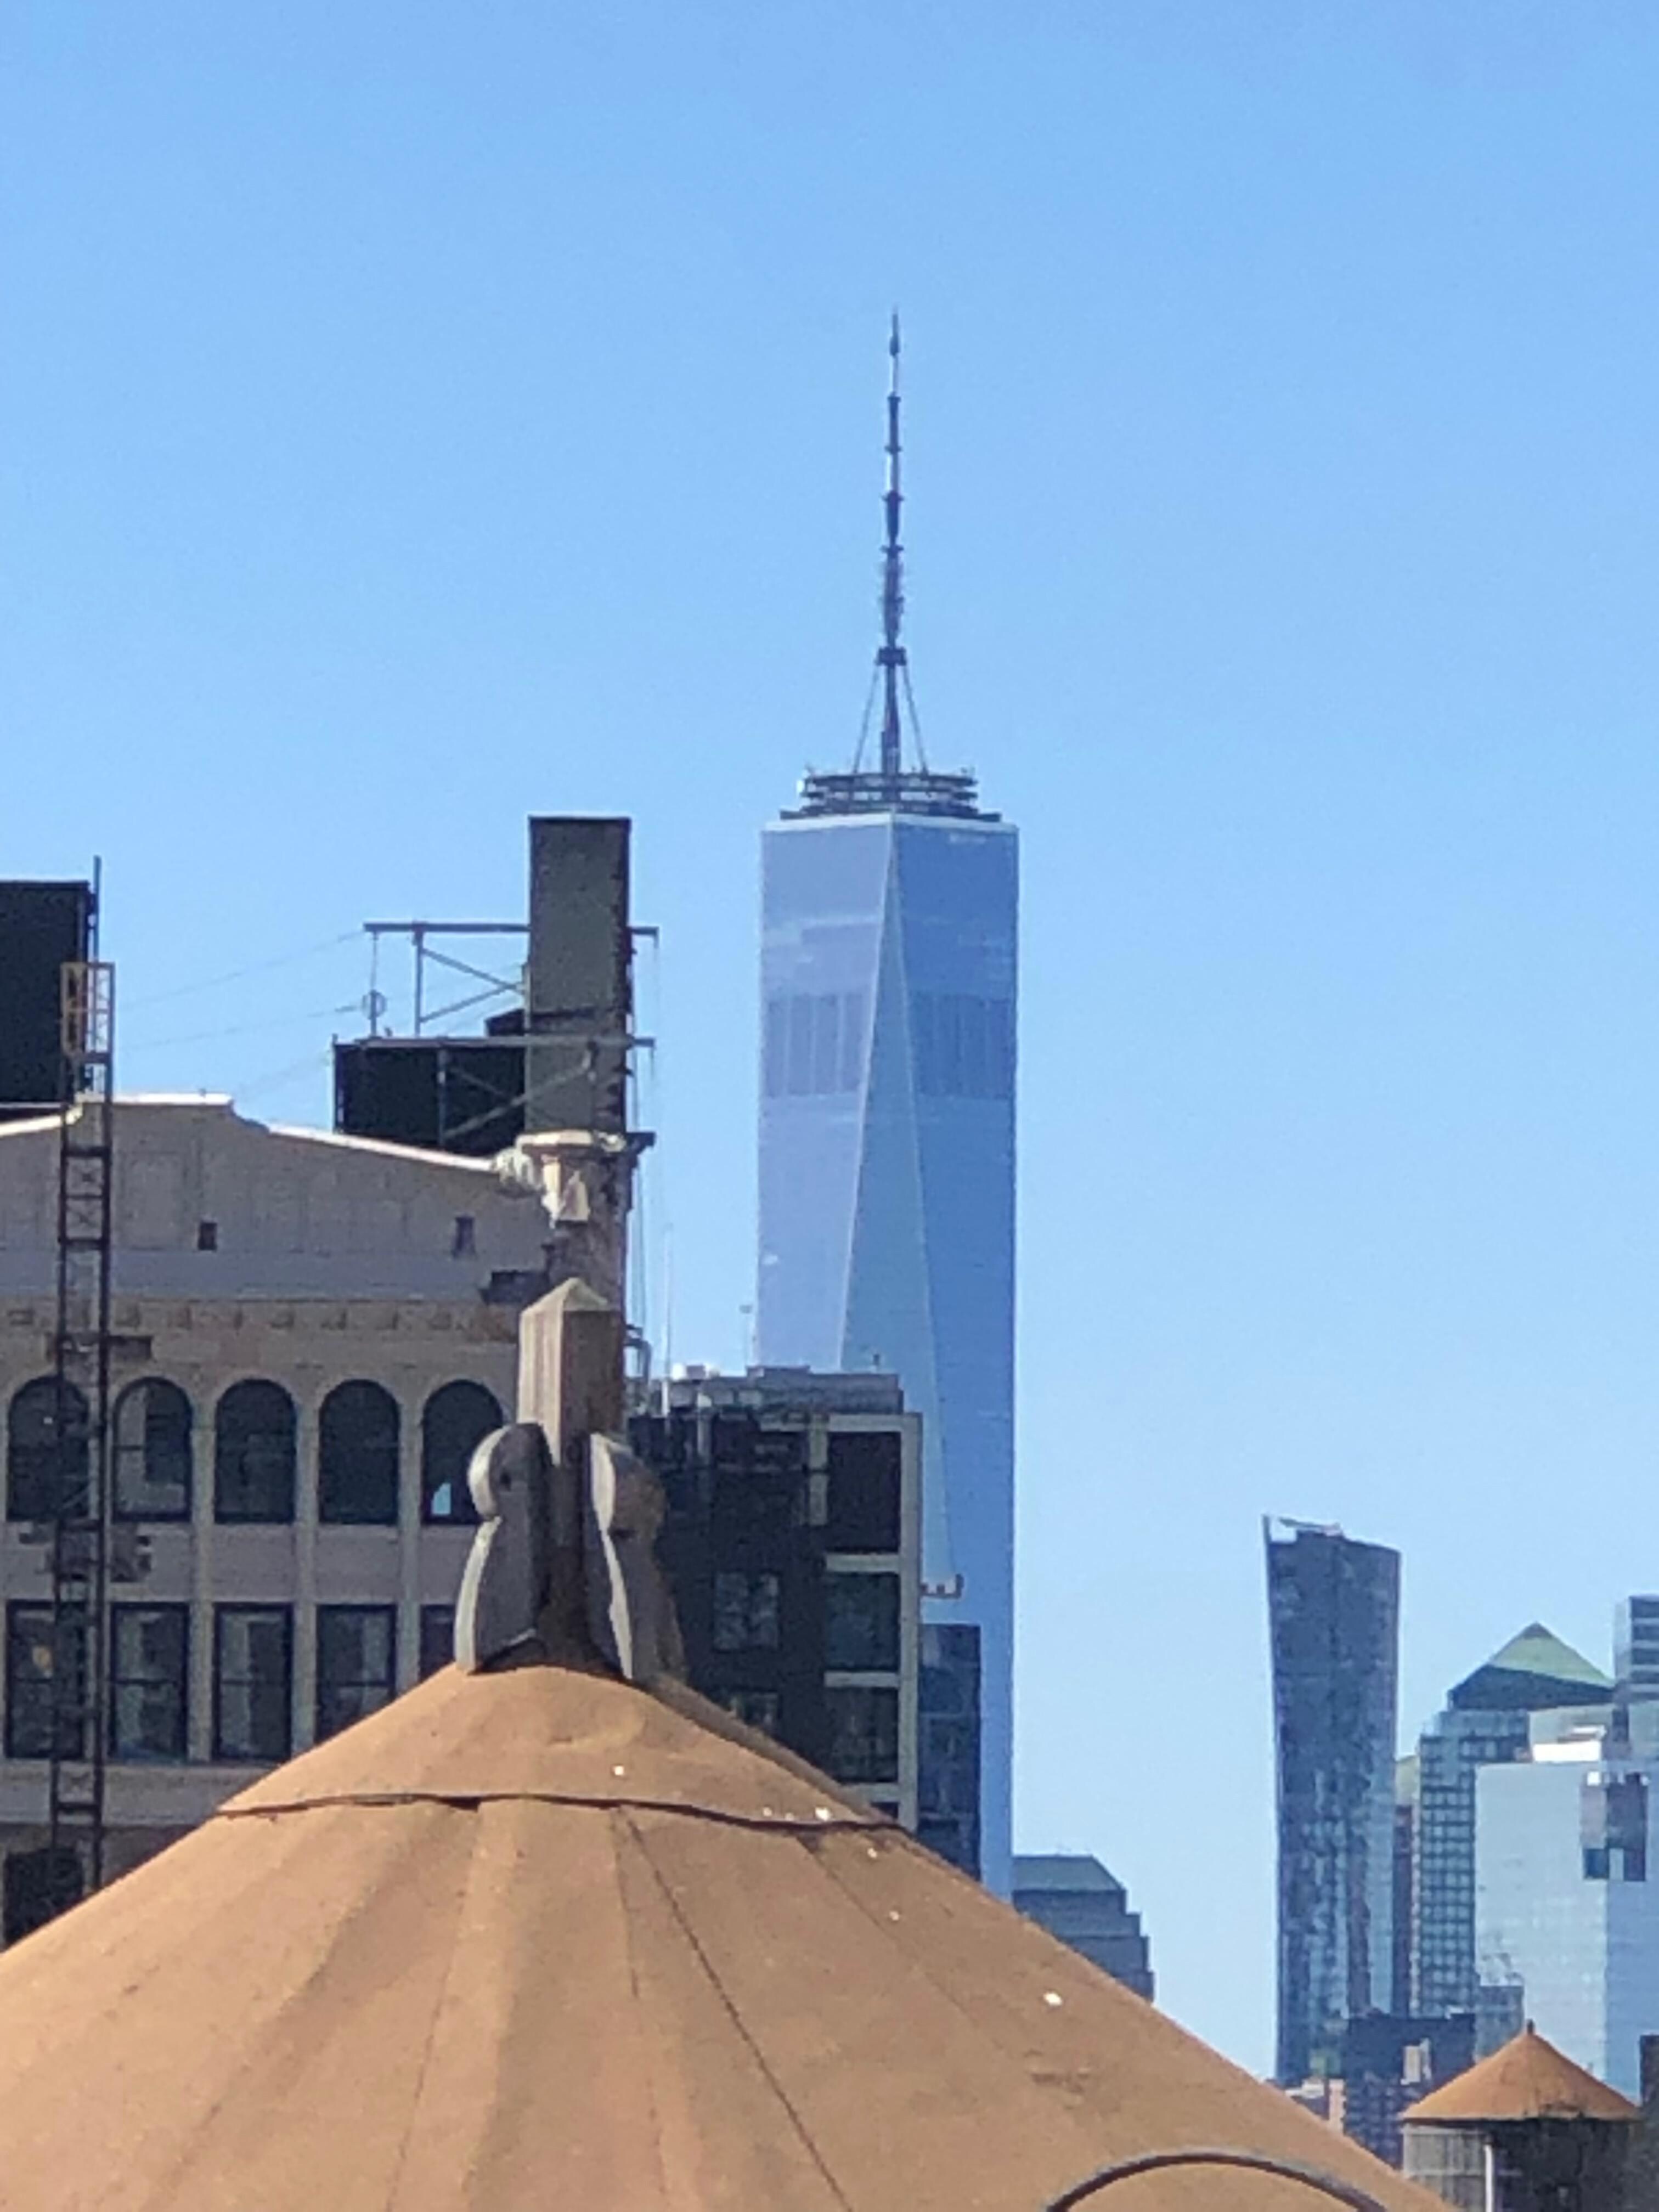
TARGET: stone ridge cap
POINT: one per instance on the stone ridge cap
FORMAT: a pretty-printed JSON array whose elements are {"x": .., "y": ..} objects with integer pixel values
[{"x": 826, "y": 1820}]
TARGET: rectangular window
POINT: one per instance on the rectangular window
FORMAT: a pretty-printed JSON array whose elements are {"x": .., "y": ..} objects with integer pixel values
[
  {"x": 852, "y": 1040},
  {"x": 745, "y": 1612},
  {"x": 800, "y": 1046},
  {"x": 949, "y": 1045},
  {"x": 865, "y": 1488},
  {"x": 437, "y": 1637},
  {"x": 924, "y": 1024},
  {"x": 861, "y": 1622},
  {"x": 355, "y": 1670},
  {"x": 756, "y": 1709},
  {"x": 149, "y": 1679},
  {"x": 976, "y": 1066},
  {"x": 252, "y": 1683},
  {"x": 826, "y": 1043},
  {"x": 776, "y": 1063},
  {"x": 863, "y": 1734},
  {"x": 38, "y": 1885},
  {"x": 34, "y": 1664}
]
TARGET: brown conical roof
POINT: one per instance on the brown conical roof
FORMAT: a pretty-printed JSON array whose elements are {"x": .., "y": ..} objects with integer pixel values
[
  {"x": 1528, "y": 2080},
  {"x": 537, "y": 1938}
]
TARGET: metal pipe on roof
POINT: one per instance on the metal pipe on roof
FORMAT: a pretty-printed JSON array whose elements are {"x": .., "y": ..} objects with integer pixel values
[{"x": 1339, "y": 2192}]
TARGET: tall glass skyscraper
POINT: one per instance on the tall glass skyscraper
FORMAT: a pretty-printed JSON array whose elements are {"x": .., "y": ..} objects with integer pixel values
[
  {"x": 1334, "y": 1615},
  {"x": 1488, "y": 1721},
  {"x": 1566, "y": 1916},
  {"x": 888, "y": 977}
]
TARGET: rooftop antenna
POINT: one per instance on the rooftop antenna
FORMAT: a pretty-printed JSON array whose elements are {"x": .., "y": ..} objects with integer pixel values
[
  {"x": 890, "y": 785},
  {"x": 891, "y": 659}
]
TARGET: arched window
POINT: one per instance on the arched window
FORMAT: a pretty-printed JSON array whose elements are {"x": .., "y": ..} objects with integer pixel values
[
  {"x": 357, "y": 1457},
  {"x": 455, "y": 1419},
  {"x": 43, "y": 1450},
  {"x": 152, "y": 1452},
  {"x": 253, "y": 1453}
]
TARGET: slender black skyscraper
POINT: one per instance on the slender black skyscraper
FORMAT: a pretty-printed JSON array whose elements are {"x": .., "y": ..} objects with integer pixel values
[
  {"x": 890, "y": 917},
  {"x": 1333, "y": 1612}
]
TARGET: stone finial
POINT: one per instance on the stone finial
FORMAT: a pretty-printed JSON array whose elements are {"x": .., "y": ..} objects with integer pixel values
[
  {"x": 631, "y": 1613},
  {"x": 504, "y": 1585},
  {"x": 568, "y": 1517}
]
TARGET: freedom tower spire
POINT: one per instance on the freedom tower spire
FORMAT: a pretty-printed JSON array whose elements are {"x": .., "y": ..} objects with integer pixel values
[
  {"x": 889, "y": 981},
  {"x": 891, "y": 659},
  {"x": 918, "y": 789}
]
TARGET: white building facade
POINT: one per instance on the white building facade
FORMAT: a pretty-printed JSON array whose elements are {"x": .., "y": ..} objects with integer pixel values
[{"x": 311, "y": 1333}]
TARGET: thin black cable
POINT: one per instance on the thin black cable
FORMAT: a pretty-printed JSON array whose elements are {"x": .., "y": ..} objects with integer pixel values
[{"x": 235, "y": 975}]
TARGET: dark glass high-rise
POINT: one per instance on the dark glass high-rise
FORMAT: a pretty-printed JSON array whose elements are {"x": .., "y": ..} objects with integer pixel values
[{"x": 1334, "y": 1614}]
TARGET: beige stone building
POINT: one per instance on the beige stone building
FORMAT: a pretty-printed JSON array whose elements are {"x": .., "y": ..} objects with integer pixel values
[{"x": 311, "y": 1333}]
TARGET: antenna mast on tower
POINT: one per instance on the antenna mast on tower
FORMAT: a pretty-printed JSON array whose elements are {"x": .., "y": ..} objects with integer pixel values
[
  {"x": 891, "y": 786},
  {"x": 891, "y": 659}
]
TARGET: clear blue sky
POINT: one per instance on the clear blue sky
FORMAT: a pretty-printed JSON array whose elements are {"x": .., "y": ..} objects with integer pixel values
[{"x": 418, "y": 415}]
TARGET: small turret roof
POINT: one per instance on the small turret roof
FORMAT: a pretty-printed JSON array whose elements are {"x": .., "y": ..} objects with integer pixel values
[{"x": 1528, "y": 2080}]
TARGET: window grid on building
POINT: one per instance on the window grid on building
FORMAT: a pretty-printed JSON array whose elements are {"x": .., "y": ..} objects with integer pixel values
[
  {"x": 356, "y": 1663},
  {"x": 149, "y": 1681},
  {"x": 252, "y": 1683}
]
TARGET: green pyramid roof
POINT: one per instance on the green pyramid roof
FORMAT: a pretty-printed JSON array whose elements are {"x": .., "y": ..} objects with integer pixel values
[{"x": 1533, "y": 1672}]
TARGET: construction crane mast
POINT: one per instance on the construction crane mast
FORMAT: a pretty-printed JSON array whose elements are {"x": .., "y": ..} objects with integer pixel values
[{"x": 81, "y": 1495}]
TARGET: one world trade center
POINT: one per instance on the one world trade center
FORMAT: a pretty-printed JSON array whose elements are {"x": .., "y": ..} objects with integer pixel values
[{"x": 889, "y": 979}]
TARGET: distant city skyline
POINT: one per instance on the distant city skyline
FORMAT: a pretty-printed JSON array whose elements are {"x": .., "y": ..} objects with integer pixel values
[{"x": 418, "y": 421}]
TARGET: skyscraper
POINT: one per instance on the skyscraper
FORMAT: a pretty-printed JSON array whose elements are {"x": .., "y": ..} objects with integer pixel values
[
  {"x": 888, "y": 979},
  {"x": 1334, "y": 1615},
  {"x": 1487, "y": 1721},
  {"x": 1636, "y": 1647},
  {"x": 1081, "y": 1903},
  {"x": 1566, "y": 1916}
]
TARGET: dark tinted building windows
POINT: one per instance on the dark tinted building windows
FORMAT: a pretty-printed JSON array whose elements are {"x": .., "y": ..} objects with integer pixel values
[
  {"x": 45, "y": 1441},
  {"x": 454, "y": 1421},
  {"x": 32, "y": 1666},
  {"x": 814, "y": 1043},
  {"x": 38, "y": 1885},
  {"x": 355, "y": 1670},
  {"x": 149, "y": 1677},
  {"x": 253, "y": 1453},
  {"x": 861, "y": 1622},
  {"x": 357, "y": 1457},
  {"x": 756, "y": 1709},
  {"x": 152, "y": 1453},
  {"x": 863, "y": 1724},
  {"x": 745, "y": 1612},
  {"x": 865, "y": 1492},
  {"x": 964, "y": 1045},
  {"x": 437, "y": 1637},
  {"x": 252, "y": 1682}
]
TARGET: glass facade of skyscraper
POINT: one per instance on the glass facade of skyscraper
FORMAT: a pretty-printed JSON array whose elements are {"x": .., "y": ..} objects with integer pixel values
[
  {"x": 887, "y": 1207},
  {"x": 1334, "y": 1614},
  {"x": 1567, "y": 1916},
  {"x": 1489, "y": 1721}
]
